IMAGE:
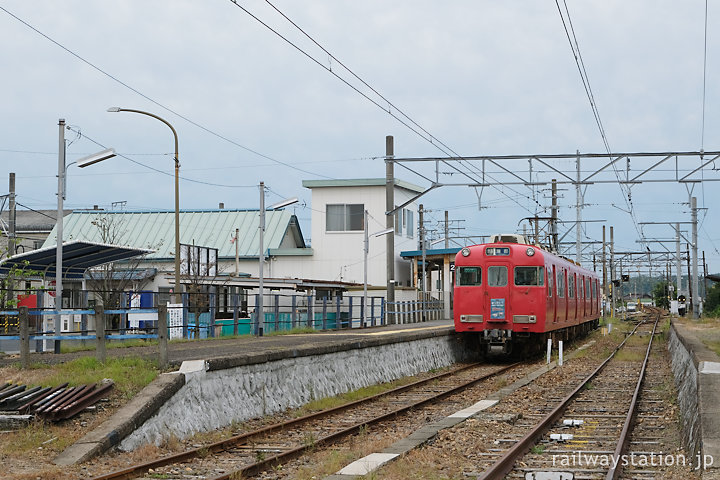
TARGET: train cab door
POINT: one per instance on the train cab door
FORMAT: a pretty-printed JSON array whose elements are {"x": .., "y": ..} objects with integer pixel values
[{"x": 497, "y": 294}]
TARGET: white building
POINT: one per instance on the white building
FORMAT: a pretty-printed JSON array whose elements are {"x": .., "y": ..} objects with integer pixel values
[
  {"x": 336, "y": 257},
  {"x": 337, "y": 231}
]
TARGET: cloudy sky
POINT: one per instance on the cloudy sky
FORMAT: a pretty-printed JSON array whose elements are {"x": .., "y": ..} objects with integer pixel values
[{"x": 482, "y": 77}]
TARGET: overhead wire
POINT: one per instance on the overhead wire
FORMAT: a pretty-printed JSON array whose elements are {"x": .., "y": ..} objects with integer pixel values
[
  {"x": 157, "y": 103},
  {"x": 409, "y": 123},
  {"x": 575, "y": 47},
  {"x": 163, "y": 172}
]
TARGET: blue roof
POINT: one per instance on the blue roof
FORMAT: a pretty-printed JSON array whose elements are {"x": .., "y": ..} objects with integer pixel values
[
  {"x": 431, "y": 251},
  {"x": 77, "y": 257}
]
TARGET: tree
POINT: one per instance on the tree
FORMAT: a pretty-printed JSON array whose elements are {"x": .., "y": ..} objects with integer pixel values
[
  {"x": 660, "y": 295},
  {"x": 110, "y": 281},
  {"x": 712, "y": 300}
]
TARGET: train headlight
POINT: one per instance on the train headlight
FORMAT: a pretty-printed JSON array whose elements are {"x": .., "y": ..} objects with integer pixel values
[
  {"x": 465, "y": 252},
  {"x": 530, "y": 251}
]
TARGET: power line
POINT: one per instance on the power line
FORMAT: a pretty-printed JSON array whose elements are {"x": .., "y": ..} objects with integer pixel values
[
  {"x": 157, "y": 103},
  {"x": 411, "y": 124},
  {"x": 37, "y": 211},
  {"x": 157, "y": 169},
  {"x": 575, "y": 47}
]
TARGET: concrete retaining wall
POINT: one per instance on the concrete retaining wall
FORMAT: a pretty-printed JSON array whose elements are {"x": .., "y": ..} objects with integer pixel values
[
  {"x": 697, "y": 378},
  {"x": 686, "y": 375},
  {"x": 214, "y": 398}
]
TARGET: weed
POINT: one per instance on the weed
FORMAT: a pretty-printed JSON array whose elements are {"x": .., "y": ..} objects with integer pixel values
[
  {"x": 293, "y": 331},
  {"x": 538, "y": 449},
  {"x": 309, "y": 441},
  {"x": 259, "y": 456},
  {"x": 203, "y": 452}
]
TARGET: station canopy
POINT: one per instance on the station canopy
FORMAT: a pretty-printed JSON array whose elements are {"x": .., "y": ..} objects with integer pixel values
[{"x": 77, "y": 257}]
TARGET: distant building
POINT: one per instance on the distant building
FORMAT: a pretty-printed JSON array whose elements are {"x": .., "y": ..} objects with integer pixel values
[{"x": 32, "y": 227}]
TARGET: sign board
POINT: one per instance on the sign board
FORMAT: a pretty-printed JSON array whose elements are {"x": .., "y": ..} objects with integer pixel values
[
  {"x": 198, "y": 261},
  {"x": 175, "y": 320},
  {"x": 497, "y": 308}
]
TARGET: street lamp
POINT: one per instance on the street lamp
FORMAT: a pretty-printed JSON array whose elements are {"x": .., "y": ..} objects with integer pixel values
[
  {"x": 176, "y": 290},
  {"x": 62, "y": 170},
  {"x": 259, "y": 314}
]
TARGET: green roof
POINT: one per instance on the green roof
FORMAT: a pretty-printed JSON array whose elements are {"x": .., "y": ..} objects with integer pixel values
[
  {"x": 360, "y": 182},
  {"x": 207, "y": 228}
]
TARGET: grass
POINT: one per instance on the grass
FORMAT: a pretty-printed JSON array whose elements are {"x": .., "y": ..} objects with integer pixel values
[
  {"x": 292, "y": 331},
  {"x": 129, "y": 374},
  {"x": 36, "y": 435},
  {"x": 330, "y": 402},
  {"x": 121, "y": 344}
]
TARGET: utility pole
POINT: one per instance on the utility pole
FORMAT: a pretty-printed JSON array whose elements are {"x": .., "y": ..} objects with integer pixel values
[
  {"x": 604, "y": 273},
  {"x": 259, "y": 314},
  {"x": 366, "y": 249},
  {"x": 12, "y": 235},
  {"x": 553, "y": 223},
  {"x": 678, "y": 260},
  {"x": 578, "y": 213},
  {"x": 447, "y": 231},
  {"x": 704, "y": 280},
  {"x": 690, "y": 283},
  {"x": 696, "y": 299},
  {"x": 390, "y": 224},
  {"x": 612, "y": 269},
  {"x": 424, "y": 264},
  {"x": 59, "y": 237}
]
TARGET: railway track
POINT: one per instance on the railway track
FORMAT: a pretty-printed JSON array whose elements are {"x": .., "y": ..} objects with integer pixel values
[
  {"x": 266, "y": 448},
  {"x": 586, "y": 433}
]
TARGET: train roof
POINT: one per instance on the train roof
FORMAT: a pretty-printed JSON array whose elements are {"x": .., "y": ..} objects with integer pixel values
[{"x": 524, "y": 246}]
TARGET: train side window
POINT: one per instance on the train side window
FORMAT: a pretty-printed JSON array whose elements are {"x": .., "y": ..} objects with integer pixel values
[
  {"x": 561, "y": 284},
  {"x": 469, "y": 276},
  {"x": 549, "y": 284},
  {"x": 587, "y": 288},
  {"x": 497, "y": 276},
  {"x": 529, "y": 276},
  {"x": 571, "y": 286}
]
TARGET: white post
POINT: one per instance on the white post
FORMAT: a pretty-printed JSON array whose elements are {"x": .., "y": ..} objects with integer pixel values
[
  {"x": 261, "y": 233},
  {"x": 365, "y": 270},
  {"x": 59, "y": 230},
  {"x": 549, "y": 350},
  {"x": 560, "y": 353}
]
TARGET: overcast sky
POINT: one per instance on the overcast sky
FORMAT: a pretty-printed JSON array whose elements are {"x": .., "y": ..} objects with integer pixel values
[{"x": 483, "y": 77}]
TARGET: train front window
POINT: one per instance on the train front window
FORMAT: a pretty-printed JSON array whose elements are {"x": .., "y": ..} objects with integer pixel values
[
  {"x": 469, "y": 276},
  {"x": 529, "y": 276},
  {"x": 497, "y": 276}
]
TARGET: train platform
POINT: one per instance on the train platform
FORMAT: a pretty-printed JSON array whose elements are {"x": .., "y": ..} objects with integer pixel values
[{"x": 250, "y": 349}]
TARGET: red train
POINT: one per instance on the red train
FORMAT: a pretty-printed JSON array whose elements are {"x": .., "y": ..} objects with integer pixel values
[{"x": 515, "y": 295}]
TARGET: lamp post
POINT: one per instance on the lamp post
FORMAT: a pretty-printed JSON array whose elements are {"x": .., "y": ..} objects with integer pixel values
[
  {"x": 259, "y": 314},
  {"x": 176, "y": 289},
  {"x": 62, "y": 170}
]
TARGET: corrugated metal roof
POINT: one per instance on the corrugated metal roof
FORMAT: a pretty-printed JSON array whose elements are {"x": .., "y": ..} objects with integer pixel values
[
  {"x": 77, "y": 257},
  {"x": 360, "y": 182},
  {"x": 207, "y": 228}
]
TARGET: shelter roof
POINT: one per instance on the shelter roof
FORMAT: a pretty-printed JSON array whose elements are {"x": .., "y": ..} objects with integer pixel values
[
  {"x": 78, "y": 256},
  {"x": 208, "y": 228}
]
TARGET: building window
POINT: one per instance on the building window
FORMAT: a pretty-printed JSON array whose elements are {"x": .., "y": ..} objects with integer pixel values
[
  {"x": 398, "y": 221},
  {"x": 344, "y": 217},
  {"x": 410, "y": 224}
]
